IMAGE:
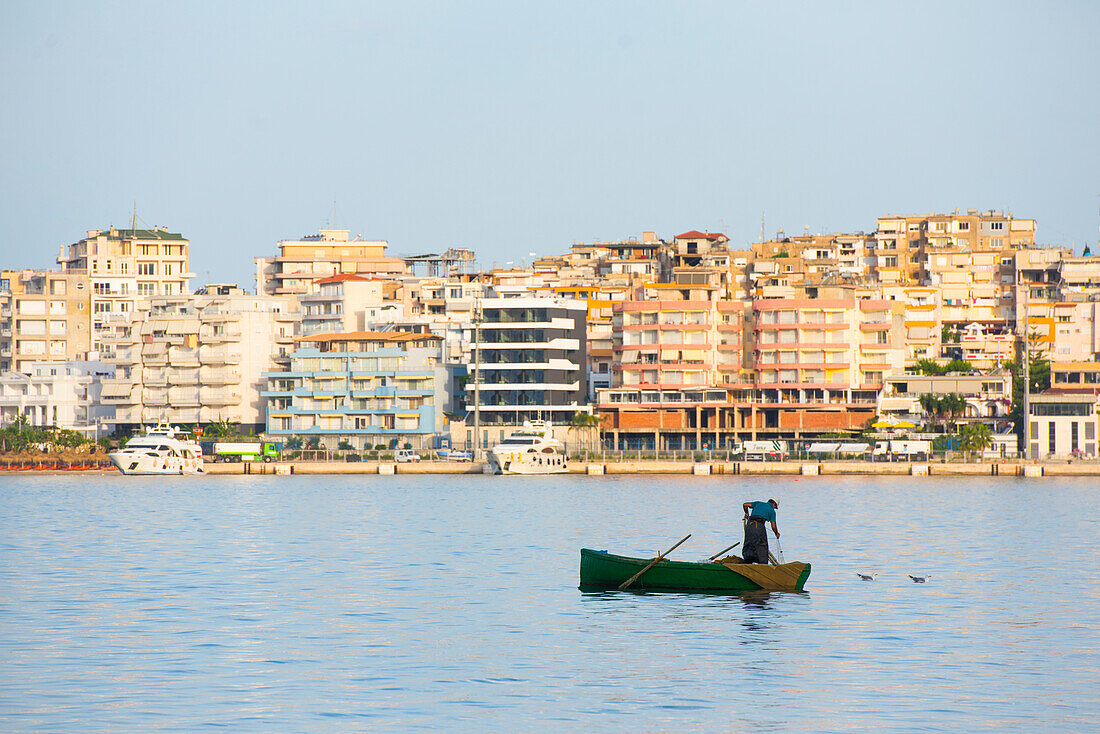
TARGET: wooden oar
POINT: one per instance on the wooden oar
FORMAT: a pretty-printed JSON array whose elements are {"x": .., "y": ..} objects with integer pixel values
[
  {"x": 652, "y": 563},
  {"x": 724, "y": 551}
]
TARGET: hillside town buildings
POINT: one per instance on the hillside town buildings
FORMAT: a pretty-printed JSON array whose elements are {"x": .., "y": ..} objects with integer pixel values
[{"x": 683, "y": 342}]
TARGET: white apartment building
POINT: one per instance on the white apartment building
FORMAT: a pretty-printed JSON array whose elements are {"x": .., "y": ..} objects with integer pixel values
[
  {"x": 63, "y": 395},
  {"x": 200, "y": 358}
]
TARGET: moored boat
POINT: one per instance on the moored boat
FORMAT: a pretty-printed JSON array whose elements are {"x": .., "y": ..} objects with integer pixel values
[
  {"x": 160, "y": 450},
  {"x": 603, "y": 570},
  {"x": 530, "y": 450}
]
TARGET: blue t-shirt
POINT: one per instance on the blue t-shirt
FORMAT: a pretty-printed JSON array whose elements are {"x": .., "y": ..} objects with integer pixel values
[{"x": 764, "y": 510}]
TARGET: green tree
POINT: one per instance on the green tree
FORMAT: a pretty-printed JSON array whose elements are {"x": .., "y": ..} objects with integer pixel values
[
  {"x": 583, "y": 424},
  {"x": 69, "y": 439},
  {"x": 953, "y": 406},
  {"x": 930, "y": 404},
  {"x": 975, "y": 437}
]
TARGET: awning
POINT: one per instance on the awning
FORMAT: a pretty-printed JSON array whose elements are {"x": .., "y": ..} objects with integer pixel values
[
  {"x": 693, "y": 354},
  {"x": 854, "y": 448},
  {"x": 116, "y": 389},
  {"x": 823, "y": 448},
  {"x": 183, "y": 327},
  {"x": 669, "y": 355}
]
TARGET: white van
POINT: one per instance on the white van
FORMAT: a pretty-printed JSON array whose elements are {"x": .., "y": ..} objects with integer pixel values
[{"x": 405, "y": 455}]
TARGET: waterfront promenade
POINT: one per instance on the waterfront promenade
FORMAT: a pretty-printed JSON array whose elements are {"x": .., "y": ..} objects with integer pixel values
[{"x": 732, "y": 468}]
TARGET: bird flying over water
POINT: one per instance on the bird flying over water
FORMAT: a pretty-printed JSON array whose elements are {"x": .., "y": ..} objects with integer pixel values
[
  {"x": 919, "y": 579},
  {"x": 867, "y": 576}
]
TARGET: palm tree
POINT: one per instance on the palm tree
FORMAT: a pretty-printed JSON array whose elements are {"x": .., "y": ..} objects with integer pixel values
[
  {"x": 583, "y": 423},
  {"x": 930, "y": 404},
  {"x": 975, "y": 437},
  {"x": 954, "y": 406}
]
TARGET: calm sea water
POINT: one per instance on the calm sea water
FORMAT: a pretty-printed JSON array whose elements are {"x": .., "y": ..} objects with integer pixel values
[{"x": 404, "y": 603}]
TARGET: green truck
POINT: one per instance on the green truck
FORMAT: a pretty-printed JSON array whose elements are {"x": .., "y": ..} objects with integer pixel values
[{"x": 227, "y": 451}]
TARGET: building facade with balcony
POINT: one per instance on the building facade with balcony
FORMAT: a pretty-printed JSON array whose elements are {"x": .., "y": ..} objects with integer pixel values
[
  {"x": 530, "y": 358},
  {"x": 124, "y": 268},
  {"x": 364, "y": 388},
  {"x": 63, "y": 395},
  {"x": 44, "y": 315},
  {"x": 329, "y": 252},
  {"x": 200, "y": 358},
  {"x": 347, "y": 302}
]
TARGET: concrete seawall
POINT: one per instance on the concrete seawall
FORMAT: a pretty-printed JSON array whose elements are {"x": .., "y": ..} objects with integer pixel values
[{"x": 788, "y": 468}]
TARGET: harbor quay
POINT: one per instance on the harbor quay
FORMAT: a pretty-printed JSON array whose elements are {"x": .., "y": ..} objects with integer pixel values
[{"x": 723, "y": 468}]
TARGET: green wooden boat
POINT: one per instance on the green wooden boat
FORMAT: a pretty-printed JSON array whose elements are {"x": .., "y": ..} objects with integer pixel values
[{"x": 603, "y": 570}]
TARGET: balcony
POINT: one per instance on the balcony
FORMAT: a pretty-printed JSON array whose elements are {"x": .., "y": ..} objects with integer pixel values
[
  {"x": 220, "y": 397},
  {"x": 219, "y": 356}
]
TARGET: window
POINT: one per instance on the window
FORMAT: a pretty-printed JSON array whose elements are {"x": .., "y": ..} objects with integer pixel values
[
  {"x": 102, "y": 307},
  {"x": 997, "y": 227},
  {"x": 1052, "y": 444},
  {"x": 101, "y": 289},
  {"x": 147, "y": 268},
  {"x": 147, "y": 289},
  {"x": 964, "y": 226},
  {"x": 1073, "y": 436},
  {"x": 57, "y": 287}
]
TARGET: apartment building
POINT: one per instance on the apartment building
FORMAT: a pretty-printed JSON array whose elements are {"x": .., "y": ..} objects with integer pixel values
[
  {"x": 1062, "y": 426},
  {"x": 348, "y": 302},
  {"x": 45, "y": 315},
  {"x": 200, "y": 358},
  {"x": 530, "y": 360},
  {"x": 824, "y": 350},
  {"x": 364, "y": 388},
  {"x": 124, "y": 267},
  {"x": 327, "y": 253},
  {"x": 678, "y": 361},
  {"x": 903, "y": 242},
  {"x": 1065, "y": 331},
  {"x": 58, "y": 394}
]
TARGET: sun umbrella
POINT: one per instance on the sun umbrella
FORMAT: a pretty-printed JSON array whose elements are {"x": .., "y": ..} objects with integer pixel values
[{"x": 891, "y": 421}]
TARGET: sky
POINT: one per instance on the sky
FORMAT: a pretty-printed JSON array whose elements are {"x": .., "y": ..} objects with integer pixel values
[{"x": 512, "y": 128}]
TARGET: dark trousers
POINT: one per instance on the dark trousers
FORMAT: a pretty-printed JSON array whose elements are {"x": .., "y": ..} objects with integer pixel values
[{"x": 756, "y": 541}]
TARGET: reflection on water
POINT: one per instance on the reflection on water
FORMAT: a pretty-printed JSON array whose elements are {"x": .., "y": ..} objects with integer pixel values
[{"x": 335, "y": 603}]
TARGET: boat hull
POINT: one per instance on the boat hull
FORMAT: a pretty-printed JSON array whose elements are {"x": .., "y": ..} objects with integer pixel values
[
  {"x": 139, "y": 464},
  {"x": 600, "y": 570},
  {"x": 517, "y": 463}
]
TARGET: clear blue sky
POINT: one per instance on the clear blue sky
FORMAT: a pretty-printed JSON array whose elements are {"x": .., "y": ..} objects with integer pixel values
[{"x": 519, "y": 127}]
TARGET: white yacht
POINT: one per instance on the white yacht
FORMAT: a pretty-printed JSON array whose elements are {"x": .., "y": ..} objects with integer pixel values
[
  {"x": 531, "y": 450},
  {"x": 160, "y": 450}
]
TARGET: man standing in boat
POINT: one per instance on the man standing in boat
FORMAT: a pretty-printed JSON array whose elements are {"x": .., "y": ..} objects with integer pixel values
[{"x": 756, "y": 535}]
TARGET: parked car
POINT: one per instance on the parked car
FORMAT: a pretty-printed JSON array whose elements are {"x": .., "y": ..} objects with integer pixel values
[{"x": 405, "y": 455}]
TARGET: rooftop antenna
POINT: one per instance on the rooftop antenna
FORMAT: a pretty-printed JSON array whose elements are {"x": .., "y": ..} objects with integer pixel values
[{"x": 761, "y": 226}]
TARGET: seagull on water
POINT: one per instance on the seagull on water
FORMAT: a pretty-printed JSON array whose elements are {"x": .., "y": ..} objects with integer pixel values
[
  {"x": 919, "y": 579},
  {"x": 867, "y": 576}
]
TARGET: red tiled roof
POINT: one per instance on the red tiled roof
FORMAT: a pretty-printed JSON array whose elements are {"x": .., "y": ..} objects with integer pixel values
[
  {"x": 341, "y": 278},
  {"x": 697, "y": 235}
]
